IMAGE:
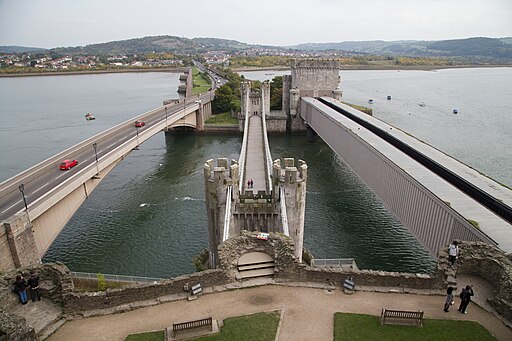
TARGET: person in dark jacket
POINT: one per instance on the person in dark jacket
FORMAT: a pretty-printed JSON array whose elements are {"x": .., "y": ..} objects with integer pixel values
[
  {"x": 465, "y": 298},
  {"x": 21, "y": 287},
  {"x": 449, "y": 299},
  {"x": 33, "y": 283}
]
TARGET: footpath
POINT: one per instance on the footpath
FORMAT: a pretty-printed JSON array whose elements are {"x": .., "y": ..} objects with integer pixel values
[{"x": 308, "y": 313}]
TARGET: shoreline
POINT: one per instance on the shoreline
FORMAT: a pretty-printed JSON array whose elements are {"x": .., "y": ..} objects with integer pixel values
[
  {"x": 250, "y": 68},
  {"x": 91, "y": 72},
  {"x": 382, "y": 67}
]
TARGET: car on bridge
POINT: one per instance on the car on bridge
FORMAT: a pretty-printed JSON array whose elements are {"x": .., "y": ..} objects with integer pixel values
[
  {"x": 68, "y": 164},
  {"x": 139, "y": 124}
]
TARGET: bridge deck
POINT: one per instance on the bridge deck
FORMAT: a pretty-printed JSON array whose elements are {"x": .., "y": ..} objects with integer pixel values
[
  {"x": 255, "y": 158},
  {"x": 489, "y": 223}
]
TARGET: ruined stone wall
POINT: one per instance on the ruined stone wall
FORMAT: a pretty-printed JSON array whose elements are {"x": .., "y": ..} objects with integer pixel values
[
  {"x": 83, "y": 301},
  {"x": 495, "y": 266},
  {"x": 369, "y": 278}
]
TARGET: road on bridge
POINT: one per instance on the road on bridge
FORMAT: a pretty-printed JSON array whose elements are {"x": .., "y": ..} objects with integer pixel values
[{"x": 47, "y": 176}]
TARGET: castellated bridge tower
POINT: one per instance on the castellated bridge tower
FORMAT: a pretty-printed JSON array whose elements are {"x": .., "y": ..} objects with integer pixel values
[
  {"x": 309, "y": 78},
  {"x": 231, "y": 212}
]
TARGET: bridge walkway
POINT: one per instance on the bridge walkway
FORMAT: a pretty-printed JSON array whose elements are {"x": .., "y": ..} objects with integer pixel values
[{"x": 255, "y": 157}]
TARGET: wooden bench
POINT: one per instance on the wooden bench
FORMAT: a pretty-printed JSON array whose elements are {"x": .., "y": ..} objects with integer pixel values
[
  {"x": 398, "y": 315},
  {"x": 349, "y": 286},
  {"x": 192, "y": 324},
  {"x": 196, "y": 289}
]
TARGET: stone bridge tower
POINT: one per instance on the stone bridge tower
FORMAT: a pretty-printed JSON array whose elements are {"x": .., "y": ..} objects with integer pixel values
[{"x": 309, "y": 78}]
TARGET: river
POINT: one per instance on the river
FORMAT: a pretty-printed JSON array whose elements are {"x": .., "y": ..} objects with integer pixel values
[{"x": 148, "y": 216}]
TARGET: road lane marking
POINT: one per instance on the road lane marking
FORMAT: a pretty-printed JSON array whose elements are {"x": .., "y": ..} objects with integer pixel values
[
  {"x": 40, "y": 188},
  {"x": 60, "y": 176},
  {"x": 8, "y": 208}
]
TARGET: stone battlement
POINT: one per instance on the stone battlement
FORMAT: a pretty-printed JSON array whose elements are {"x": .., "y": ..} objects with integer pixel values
[{"x": 315, "y": 64}]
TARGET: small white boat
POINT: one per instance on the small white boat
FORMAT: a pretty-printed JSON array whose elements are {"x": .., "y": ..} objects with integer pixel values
[
  {"x": 370, "y": 101},
  {"x": 89, "y": 117},
  {"x": 422, "y": 104}
]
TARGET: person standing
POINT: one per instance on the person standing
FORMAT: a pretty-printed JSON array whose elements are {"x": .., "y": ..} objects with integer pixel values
[
  {"x": 453, "y": 252},
  {"x": 449, "y": 299},
  {"x": 33, "y": 283},
  {"x": 465, "y": 298},
  {"x": 21, "y": 287}
]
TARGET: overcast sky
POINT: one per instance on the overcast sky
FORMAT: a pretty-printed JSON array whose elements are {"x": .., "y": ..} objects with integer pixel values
[{"x": 53, "y": 23}]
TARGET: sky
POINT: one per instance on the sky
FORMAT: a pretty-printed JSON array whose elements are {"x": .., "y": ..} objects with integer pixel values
[{"x": 58, "y": 23}]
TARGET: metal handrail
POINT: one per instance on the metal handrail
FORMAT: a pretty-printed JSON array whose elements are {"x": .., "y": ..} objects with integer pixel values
[
  {"x": 116, "y": 278},
  {"x": 227, "y": 214},
  {"x": 268, "y": 156},
  {"x": 243, "y": 151},
  {"x": 284, "y": 216}
]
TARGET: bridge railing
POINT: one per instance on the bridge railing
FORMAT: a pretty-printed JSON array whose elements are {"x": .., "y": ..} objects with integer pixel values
[
  {"x": 284, "y": 216},
  {"x": 243, "y": 151},
  {"x": 268, "y": 156},
  {"x": 116, "y": 278}
]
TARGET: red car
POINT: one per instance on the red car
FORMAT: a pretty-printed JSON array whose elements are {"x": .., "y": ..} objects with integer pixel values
[
  {"x": 139, "y": 124},
  {"x": 68, "y": 164}
]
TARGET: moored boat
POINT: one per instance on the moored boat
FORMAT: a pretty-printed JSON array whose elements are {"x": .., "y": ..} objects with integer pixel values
[
  {"x": 89, "y": 117},
  {"x": 422, "y": 104},
  {"x": 455, "y": 111}
]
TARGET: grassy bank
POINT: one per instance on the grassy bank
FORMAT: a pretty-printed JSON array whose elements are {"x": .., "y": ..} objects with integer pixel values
[
  {"x": 199, "y": 82},
  {"x": 222, "y": 119}
]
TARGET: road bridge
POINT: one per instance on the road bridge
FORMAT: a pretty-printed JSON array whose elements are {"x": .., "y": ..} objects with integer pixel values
[{"x": 52, "y": 196}]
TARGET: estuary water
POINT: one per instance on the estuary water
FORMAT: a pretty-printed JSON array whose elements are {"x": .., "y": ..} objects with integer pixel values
[{"x": 148, "y": 216}]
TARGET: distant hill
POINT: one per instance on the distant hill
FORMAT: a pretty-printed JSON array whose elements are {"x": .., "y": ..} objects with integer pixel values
[
  {"x": 172, "y": 44},
  {"x": 474, "y": 48},
  {"x": 470, "y": 47},
  {"x": 20, "y": 49}
]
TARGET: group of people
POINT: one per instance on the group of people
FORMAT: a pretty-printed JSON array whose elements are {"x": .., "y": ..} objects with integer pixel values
[
  {"x": 466, "y": 293},
  {"x": 21, "y": 285},
  {"x": 250, "y": 183},
  {"x": 465, "y": 298}
]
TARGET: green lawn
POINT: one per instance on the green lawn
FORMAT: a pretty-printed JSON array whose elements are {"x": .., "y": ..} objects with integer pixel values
[
  {"x": 260, "y": 327},
  {"x": 199, "y": 84},
  {"x": 151, "y": 336},
  {"x": 367, "y": 327},
  {"x": 222, "y": 119}
]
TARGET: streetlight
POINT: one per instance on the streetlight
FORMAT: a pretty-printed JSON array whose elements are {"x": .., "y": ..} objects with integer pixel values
[
  {"x": 22, "y": 190},
  {"x": 137, "y": 147},
  {"x": 95, "y": 146},
  {"x": 165, "y": 117}
]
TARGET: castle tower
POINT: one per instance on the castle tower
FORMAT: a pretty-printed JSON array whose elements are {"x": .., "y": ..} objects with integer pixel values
[
  {"x": 292, "y": 181},
  {"x": 217, "y": 179},
  {"x": 309, "y": 78}
]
